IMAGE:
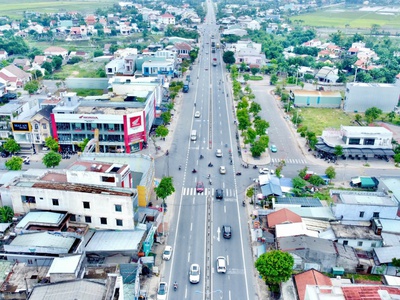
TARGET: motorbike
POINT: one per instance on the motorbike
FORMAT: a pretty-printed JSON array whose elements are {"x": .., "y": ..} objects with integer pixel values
[
  {"x": 238, "y": 173},
  {"x": 194, "y": 171},
  {"x": 243, "y": 203},
  {"x": 201, "y": 156},
  {"x": 210, "y": 165},
  {"x": 175, "y": 286},
  {"x": 255, "y": 167},
  {"x": 166, "y": 153},
  {"x": 179, "y": 168}
]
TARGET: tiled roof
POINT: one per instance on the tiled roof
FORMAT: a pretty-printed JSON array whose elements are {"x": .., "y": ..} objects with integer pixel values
[
  {"x": 282, "y": 216},
  {"x": 310, "y": 277},
  {"x": 370, "y": 292},
  {"x": 167, "y": 15}
]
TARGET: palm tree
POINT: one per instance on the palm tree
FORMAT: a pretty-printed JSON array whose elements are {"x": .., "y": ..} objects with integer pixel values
[{"x": 6, "y": 214}]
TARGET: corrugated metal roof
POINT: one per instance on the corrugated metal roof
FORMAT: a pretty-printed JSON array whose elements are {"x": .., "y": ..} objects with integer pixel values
[
  {"x": 43, "y": 239},
  {"x": 64, "y": 265},
  {"x": 127, "y": 240},
  {"x": 43, "y": 217},
  {"x": 386, "y": 254}
]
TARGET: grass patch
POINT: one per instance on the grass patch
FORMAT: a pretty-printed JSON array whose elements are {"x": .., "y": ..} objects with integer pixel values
[
  {"x": 359, "y": 277},
  {"x": 80, "y": 70},
  {"x": 256, "y": 78},
  {"x": 340, "y": 17},
  {"x": 88, "y": 92},
  {"x": 319, "y": 119},
  {"x": 16, "y": 9}
]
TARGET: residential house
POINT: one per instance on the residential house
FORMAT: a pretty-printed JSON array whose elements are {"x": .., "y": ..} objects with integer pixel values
[
  {"x": 327, "y": 75},
  {"x": 166, "y": 19},
  {"x": 90, "y": 20},
  {"x": 251, "y": 57},
  {"x": 358, "y": 237},
  {"x": 78, "y": 32},
  {"x": 183, "y": 49},
  {"x": 3, "y": 55},
  {"x": 41, "y": 127},
  {"x": 360, "y": 96},
  {"x": 14, "y": 77},
  {"x": 282, "y": 216},
  {"x": 82, "y": 54},
  {"x": 317, "y": 253},
  {"x": 23, "y": 63},
  {"x": 254, "y": 25},
  {"x": 106, "y": 49},
  {"x": 55, "y": 51},
  {"x": 363, "y": 206},
  {"x": 312, "y": 43},
  {"x": 383, "y": 258}
]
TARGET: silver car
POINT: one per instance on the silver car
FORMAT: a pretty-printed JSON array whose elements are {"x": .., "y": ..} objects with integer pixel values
[{"x": 194, "y": 273}]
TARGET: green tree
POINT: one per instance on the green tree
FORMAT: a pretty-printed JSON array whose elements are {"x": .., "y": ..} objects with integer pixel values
[
  {"x": 303, "y": 172},
  {"x": 51, "y": 143},
  {"x": 372, "y": 114},
  {"x": 264, "y": 140},
  {"x": 251, "y": 135},
  {"x": 298, "y": 183},
  {"x": 166, "y": 117},
  {"x": 11, "y": 146},
  {"x": 391, "y": 116},
  {"x": 254, "y": 71},
  {"x": 98, "y": 53},
  {"x": 57, "y": 62},
  {"x": 275, "y": 266},
  {"x": 274, "y": 79},
  {"x": 396, "y": 158},
  {"x": 6, "y": 214},
  {"x": 257, "y": 149},
  {"x": 260, "y": 126},
  {"x": 165, "y": 188},
  {"x": 330, "y": 172},
  {"x": 358, "y": 118},
  {"x": 396, "y": 263},
  {"x": 82, "y": 145},
  {"x": 255, "y": 108},
  {"x": 316, "y": 180},
  {"x": 250, "y": 192},
  {"x": 338, "y": 150},
  {"x": 162, "y": 131},
  {"x": 51, "y": 159},
  {"x": 31, "y": 87},
  {"x": 229, "y": 57},
  {"x": 279, "y": 168},
  {"x": 14, "y": 163}
]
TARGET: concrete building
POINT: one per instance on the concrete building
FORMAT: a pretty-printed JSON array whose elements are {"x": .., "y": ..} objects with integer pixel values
[
  {"x": 303, "y": 98},
  {"x": 358, "y": 237},
  {"x": 361, "y": 96},
  {"x": 357, "y": 141}
]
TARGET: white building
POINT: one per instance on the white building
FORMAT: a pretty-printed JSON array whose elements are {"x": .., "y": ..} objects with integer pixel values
[{"x": 361, "y": 96}]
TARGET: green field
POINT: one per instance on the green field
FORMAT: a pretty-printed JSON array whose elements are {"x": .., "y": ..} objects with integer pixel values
[
  {"x": 16, "y": 8},
  {"x": 342, "y": 18},
  {"x": 319, "y": 119}
]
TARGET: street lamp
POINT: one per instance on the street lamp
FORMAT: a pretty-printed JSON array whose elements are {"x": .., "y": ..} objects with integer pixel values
[{"x": 208, "y": 294}]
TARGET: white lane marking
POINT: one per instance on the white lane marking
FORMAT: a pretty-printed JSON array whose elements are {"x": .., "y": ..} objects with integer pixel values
[{"x": 191, "y": 226}]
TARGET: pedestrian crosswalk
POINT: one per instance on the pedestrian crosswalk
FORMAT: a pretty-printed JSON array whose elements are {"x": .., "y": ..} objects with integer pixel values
[
  {"x": 191, "y": 191},
  {"x": 292, "y": 161}
]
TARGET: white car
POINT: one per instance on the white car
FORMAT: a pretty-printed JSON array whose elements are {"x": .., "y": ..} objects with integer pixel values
[
  {"x": 221, "y": 264},
  {"x": 263, "y": 171},
  {"x": 218, "y": 153},
  {"x": 167, "y": 253},
  {"x": 162, "y": 291},
  {"x": 197, "y": 114},
  {"x": 222, "y": 170},
  {"x": 194, "y": 273}
]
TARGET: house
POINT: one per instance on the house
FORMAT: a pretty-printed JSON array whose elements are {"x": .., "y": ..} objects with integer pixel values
[
  {"x": 327, "y": 75},
  {"x": 23, "y": 63},
  {"x": 254, "y": 25},
  {"x": 312, "y": 43},
  {"x": 183, "y": 50},
  {"x": 90, "y": 20},
  {"x": 282, "y": 216},
  {"x": 82, "y": 54},
  {"x": 166, "y": 19},
  {"x": 3, "y": 54},
  {"x": 55, "y": 51},
  {"x": 328, "y": 99},
  {"x": 309, "y": 278},
  {"x": 270, "y": 185},
  {"x": 41, "y": 127},
  {"x": 358, "y": 237},
  {"x": 318, "y": 253},
  {"x": 357, "y": 141},
  {"x": 383, "y": 258},
  {"x": 363, "y": 206},
  {"x": 15, "y": 76},
  {"x": 360, "y": 96}
]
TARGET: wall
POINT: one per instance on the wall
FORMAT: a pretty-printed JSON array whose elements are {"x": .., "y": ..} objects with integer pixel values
[
  {"x": 101, "y": 205},
  {"x": 87, "y": 83},
  {"x": 366, "y": 246},
  {"x": 318, "y": 101},
  {"x": 352, "y": 212},
  {"x": 360, "y": 97}
]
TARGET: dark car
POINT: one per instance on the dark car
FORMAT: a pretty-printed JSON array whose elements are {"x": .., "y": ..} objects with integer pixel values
[
  {"x": 227, "y": 231},
  {"x": 10, "y": 96},
  {"x": 219, "y": 194},
  {"x": 200, "y": 187}
]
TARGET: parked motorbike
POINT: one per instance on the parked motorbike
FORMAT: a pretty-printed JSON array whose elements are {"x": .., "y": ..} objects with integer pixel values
[
  {"x": 194, "y": 171},
  {"x": 210, "y": 165}
]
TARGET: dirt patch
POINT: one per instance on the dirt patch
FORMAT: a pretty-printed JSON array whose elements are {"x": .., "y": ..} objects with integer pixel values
[{"x": 74, "y": 73}]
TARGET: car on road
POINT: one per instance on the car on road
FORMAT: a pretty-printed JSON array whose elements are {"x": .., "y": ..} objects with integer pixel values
[
  {"x": 227, "y": 231},
  {"x": 263, "y": 171},
  {"x": 162, "y": 291},
  {"x": 273, "y": 149},
  {"x": 194, "y": 273},
  {"x": 26, "y": 159},
  {"x": 218, "y": 153},
  {"x": 197, "y": 114},
  {"x": 199, "y": 187},
  {"x": 219, "y": 193},
  {"x": 167, "y": 253},
  {"x": 221, "y": 264},
  {"x": 222, "y": 170}
]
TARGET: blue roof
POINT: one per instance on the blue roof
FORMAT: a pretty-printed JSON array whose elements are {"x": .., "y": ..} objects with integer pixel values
[
  {"x": 302, "y": 201},
  {"x": 271, "y": 189}
]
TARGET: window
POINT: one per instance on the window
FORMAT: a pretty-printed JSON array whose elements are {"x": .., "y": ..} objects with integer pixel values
[
  {"x": 55, "y": 202},
  {"x": 369, "y": 141},
  {"x": 86, "y": 204},
  {"x": 44, "y": 126},
  {"x": 28, "y": 199},
  {"x": 359, "y": 244},
  {"x": 118, "y": 207},
  {"x": 107, "y": 179},
  {"x": 345, "y": 243},
  {"x": 88, "y": 219},
  {"x": 36, "y": 126},
  {"x": 119, "y": 222},
  {"x": 103, "y": 221},
  {"x": 375, "y": 215},
  {"x": 373, "y": 245},
  {"x": 72, "y": 218},
  {"x": 362, "y": 214},
  {"x": 353, "y": 141}
]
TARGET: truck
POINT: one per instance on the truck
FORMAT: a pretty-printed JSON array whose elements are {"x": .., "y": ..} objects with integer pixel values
[
  {"x": 364, "y": 182},
  {"x": 186, "y": 87},
  {"x": 214, "y": 62}
]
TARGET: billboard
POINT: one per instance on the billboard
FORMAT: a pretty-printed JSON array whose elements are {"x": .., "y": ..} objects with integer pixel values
[{"x": 21, "y": 126}]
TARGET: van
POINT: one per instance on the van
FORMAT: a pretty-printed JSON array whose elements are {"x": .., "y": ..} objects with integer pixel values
[{"x": 193, "y": 135}]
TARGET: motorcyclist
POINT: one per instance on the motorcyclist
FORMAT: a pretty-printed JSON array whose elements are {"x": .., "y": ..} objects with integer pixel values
[
  {"x": 194, "y": 171},
  {"x": 175, "y": 285},
  {"x": 179, "y": 167},
  {"x": 201, "y": 156},
  {"x": 210, "y": 164},
  {"x": 208, "y": 176}
]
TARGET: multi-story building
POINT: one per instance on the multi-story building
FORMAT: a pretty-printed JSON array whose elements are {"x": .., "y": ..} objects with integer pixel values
[
  {"x": 357, "y": 141},
  {"x": 124, "y": 122}
]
